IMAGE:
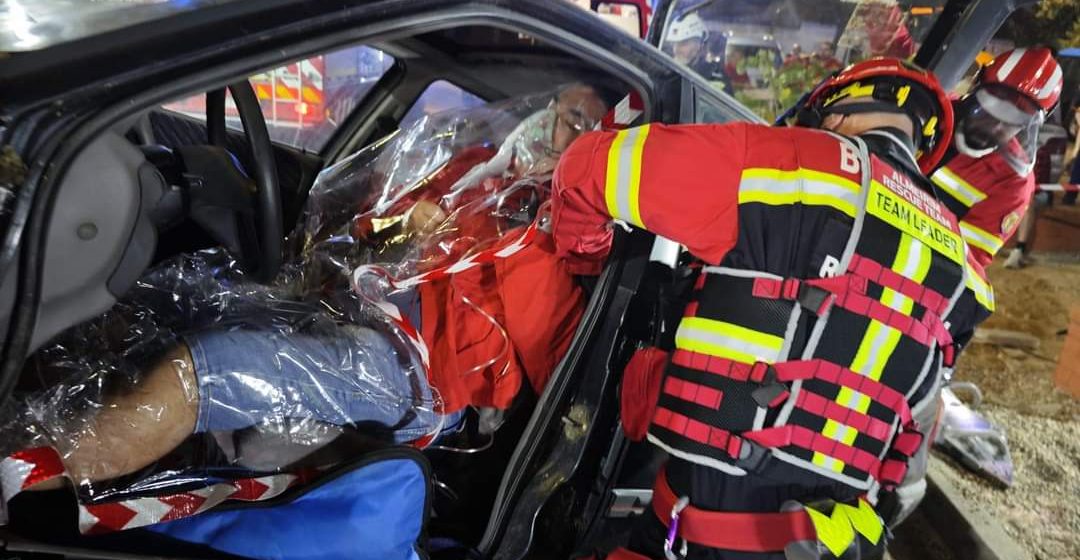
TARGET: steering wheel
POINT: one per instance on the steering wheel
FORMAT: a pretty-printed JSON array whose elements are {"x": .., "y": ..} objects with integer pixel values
[{"x": 244, "y": 217}]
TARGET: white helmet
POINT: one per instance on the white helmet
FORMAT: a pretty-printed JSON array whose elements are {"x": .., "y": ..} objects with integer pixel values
[{"x": 689, "y": 26}]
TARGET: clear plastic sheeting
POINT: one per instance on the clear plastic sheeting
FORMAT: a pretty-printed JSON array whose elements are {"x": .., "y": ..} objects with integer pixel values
[
  {"x": 435, "y": 192},
  {"x": 261, "y": 377},
  {"x": 200, "y": 375}
]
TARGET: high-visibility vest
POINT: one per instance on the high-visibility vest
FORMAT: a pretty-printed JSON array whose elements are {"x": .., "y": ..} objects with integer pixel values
[{"x": 820, "y": 373}]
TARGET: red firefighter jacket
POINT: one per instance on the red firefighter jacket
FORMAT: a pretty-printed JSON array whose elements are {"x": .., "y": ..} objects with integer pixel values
[
  {"x": 988, "y": 195},
  {"x": 771, "y": 211},
  {"x": 489, "y": 327}
]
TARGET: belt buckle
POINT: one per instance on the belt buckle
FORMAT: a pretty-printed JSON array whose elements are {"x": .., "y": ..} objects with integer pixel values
[{"x": 673, "y": 531}]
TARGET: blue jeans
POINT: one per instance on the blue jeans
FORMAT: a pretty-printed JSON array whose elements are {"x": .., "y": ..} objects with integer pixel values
[{"x": 354, "y": 376}]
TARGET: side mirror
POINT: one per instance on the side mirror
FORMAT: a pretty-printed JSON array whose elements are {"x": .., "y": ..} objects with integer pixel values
[{"x": 630, "y": 16}]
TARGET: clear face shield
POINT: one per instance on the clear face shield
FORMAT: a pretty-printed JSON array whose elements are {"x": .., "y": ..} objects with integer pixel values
[
  {"x": 993, "y": 119},
  {"x": 686, "y": 51}
]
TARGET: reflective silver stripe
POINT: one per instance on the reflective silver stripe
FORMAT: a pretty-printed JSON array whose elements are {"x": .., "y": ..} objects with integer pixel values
[
  {"x": 797, "y": 186},
  {"x": 957, "y": 188},
  {"x": 626, "y": 171},
  {"x": 980, "y": 238},
  {"x": 693, "y": 338},
  {"x": 623, "y": 178}
]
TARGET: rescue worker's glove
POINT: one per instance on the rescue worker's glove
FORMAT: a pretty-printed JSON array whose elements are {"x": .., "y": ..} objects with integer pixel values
[{"x": 844, "y": 531}]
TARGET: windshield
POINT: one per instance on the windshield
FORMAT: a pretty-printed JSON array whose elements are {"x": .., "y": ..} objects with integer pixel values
[
  {"x": 767, "y": 53},
  {"x": 36, "y": 24}
]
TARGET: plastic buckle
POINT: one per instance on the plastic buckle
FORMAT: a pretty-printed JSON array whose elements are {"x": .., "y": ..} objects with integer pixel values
[
  {"x": 767, "y": 394},
  {"x": 813, "y": 298},
  {"x": 673, "y": 531},
  {"x": 752, "y": 456}
]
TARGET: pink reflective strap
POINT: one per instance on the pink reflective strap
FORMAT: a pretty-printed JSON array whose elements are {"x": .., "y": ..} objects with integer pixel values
[
  {"x": 698, "y": 431},
  {"x": 908, "y": 442},
  {"x": 892, "y": 472},
  {"x": 926, "y": 332},
  {"x": 693, "y": 392},
  {"x": 767, "y": 288},
  {"x": 837, "y": 375},
  {"x": 875, "y": 272},
  {"x": 827, "y": 408},
  {"x": 805, "y": 438},
  {"x": 719, "y": 366}
]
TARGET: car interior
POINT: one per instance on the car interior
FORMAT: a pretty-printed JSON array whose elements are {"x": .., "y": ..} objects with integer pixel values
[{"x": 149, "y": 167}]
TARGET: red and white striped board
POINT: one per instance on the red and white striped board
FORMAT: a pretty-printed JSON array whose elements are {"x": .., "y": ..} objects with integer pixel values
[
  {"x": 1057, "y": 187},
  {"x": 28, "y": 467},
  {"x": 624, "y": 112}
]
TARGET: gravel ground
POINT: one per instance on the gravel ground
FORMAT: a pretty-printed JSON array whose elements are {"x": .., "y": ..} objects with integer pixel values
[{"x": 1042, "y": 509}]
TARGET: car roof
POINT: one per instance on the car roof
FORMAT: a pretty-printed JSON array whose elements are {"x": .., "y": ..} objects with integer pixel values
[
  {"x": 38, "y": 24},
  {"x": 217, "y": 33}
]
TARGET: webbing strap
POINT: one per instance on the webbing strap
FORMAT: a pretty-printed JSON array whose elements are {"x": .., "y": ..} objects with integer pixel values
[
  {"x": 849, "y": 293},
  {"x": 805, "y": 438},
  {"x": 795, "y": 371},
  {"x": 723, "y": 367},
  {"x": 844, "y": 377},
  {"x": 827, "y": 408},
  {"x": 889, "y": 278},
  {"x": 892, "y": 472},
  {"x": 746, "y": 532},
  {"x": 699, "y": 432}
]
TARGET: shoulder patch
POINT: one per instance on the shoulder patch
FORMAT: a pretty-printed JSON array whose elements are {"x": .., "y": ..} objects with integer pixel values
[{"x": 1009, "y": 222}]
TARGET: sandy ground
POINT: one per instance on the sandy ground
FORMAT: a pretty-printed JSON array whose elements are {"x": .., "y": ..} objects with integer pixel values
[{"x": 1042, "y": 509}]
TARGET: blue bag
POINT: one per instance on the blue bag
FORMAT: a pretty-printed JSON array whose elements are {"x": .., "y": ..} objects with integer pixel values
[{"x": 375, "y": 508}]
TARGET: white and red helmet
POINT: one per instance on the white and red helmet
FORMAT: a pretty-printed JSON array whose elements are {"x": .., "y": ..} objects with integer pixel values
[
  {"x": 1032, "y": 72},
  {"x": 1011, "y": 99}
]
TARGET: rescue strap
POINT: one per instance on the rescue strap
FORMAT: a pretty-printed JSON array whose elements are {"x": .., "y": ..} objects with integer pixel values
[
  {"x": 764, "y": 373},
  {"x": 848, "y": 292},
  {"x": 744, "y": 447},
  {"x": 744, "y": 532}
]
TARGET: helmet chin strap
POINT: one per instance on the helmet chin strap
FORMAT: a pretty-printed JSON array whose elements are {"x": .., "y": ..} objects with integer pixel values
[{"x": 962, "y": 146}]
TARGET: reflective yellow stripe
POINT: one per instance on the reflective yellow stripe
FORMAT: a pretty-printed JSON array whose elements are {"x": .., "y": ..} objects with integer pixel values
[
  {"x": 837, "y": 531},
  {"x": 834, "y": 531},
  {"x": 727, "y": 340},
  {"x": 981, "y": 238},
  {"x": 611, "y": 186},
  {"x": 623, "y": 180},
  {"x": 984, "y": 292},
  {"x": 865, "y": 521},
  {"x": 776, "y": 187},
  {"x": 958, "y": 188},
  {"x": 840, "y": 432},
  {"x": 912, "y": 260},
  {"x": 853, "y": 399},
  {"x": 635, "y": 177},
  {"x": 826, "y": 462}
]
